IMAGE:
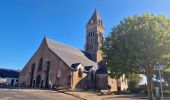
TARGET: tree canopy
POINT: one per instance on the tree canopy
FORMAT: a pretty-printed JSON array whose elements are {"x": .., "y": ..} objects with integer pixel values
[
  {"x": 137, "y": 45},
  {"x": 138, "y": 42}
]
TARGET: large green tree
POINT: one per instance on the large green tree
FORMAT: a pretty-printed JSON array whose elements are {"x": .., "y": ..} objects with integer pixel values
[{"x": 137, "y": 45}]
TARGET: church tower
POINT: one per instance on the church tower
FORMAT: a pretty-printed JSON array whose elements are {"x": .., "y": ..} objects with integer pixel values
[{"x": 95, "y": 37}]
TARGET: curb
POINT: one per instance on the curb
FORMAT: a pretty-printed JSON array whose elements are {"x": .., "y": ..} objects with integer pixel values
[{"x": 72, "y": 95}]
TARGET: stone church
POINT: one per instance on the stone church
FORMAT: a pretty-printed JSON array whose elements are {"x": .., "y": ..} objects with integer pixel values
[{"x": 58, "y": 65}]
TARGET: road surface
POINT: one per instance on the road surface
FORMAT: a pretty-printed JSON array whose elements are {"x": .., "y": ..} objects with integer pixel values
[{"x": 14, "y": 94}]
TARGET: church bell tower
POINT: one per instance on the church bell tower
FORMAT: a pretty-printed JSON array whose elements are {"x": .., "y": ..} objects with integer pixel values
[{"x": 95, "y": 37}]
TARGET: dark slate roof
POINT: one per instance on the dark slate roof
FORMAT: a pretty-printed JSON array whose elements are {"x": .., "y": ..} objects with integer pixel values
[
  {"x": 87, "y": 68},
  {"x": 102, "y": 70},
  {"x": 75, "y": 65},
  {"x": 69, "y": 54},
  {"x": 87, "y": 55},
  {"x": 9, "y": 73}
]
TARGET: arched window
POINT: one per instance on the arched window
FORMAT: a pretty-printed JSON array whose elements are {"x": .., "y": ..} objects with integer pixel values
[
  {"x": 40, "y": 64},
  {"x": 93, "y": 33},
  {"x": 32, "y": 74},
  {"x": 48, "y": 64},
  {"x": 80, "y": 73}
]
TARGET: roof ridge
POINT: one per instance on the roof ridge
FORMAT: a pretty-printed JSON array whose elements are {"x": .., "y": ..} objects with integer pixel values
[
  {"x": 9, "y": 69},
  {"x": 62, "y": 44},
  {"x": 69, "y": 54}
]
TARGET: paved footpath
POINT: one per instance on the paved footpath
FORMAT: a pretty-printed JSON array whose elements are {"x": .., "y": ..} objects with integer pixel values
[{"x": 15, "y": 94}]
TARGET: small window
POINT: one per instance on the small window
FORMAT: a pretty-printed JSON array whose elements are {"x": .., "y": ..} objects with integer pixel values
[
  {"x": 59, "y": 73},
  {"x": 91, "y": 21},
  {"x": 80, "y": 73},
  {"x": 99, "y": 21}
]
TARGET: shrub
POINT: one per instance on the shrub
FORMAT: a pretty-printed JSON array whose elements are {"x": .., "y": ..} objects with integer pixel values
[
  {"x": 166, "y": 92},
  {"x": 122, "y": 92}
]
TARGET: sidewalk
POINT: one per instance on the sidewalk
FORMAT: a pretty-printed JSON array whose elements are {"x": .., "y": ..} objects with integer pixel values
[
  {"x": 86, "y": 95},
  {"x": 89, "y": 95}
]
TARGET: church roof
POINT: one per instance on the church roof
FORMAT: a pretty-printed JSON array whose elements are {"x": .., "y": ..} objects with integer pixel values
[
  {"x": 95, "y": 18},
  {"x": 69, "y": 54},
  {"x": 87, "y": 68},
  {"x": 75, "y": 65}
]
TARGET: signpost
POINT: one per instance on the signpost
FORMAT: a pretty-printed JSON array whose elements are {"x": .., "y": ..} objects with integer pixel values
[
  {"x": 159, "y": 68},
  {"x": 157, "y": 92}
]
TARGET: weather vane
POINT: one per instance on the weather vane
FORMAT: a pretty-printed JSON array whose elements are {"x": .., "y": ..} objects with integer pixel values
[{"x": 97, "y": 4}]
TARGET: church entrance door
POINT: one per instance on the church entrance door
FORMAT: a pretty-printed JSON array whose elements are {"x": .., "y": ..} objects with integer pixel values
[{"x": 38, "y": 81}]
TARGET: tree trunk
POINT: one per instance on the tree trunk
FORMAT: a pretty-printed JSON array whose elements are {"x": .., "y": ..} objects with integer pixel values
[{"x": 149, "y": 84}]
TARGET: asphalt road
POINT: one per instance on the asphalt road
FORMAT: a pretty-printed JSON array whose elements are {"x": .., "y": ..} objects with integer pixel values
[
  {"x": 13, "y": 94},
  {"x": 28, "y": 94}
]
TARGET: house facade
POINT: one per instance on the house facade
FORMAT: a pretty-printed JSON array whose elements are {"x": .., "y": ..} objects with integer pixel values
[{"x": 58, "y": 65}]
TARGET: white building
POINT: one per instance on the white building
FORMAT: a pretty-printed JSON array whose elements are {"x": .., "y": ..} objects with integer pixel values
[{"x": 9, "y": 77}]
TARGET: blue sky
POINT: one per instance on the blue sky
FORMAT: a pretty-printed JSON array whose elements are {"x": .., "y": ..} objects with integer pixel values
[{"x": 23, "y": 23}]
